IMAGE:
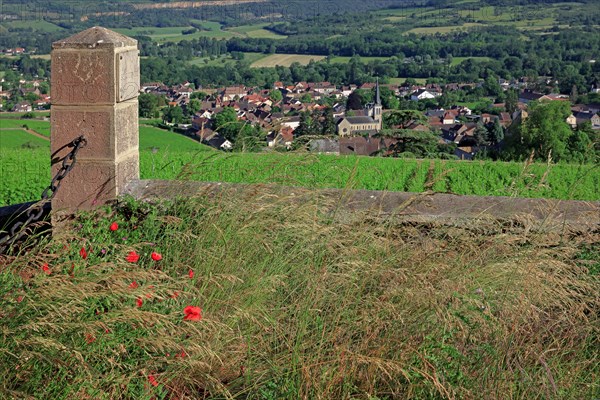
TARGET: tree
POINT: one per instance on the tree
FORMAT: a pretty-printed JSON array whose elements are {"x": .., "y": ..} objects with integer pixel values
[
  {"x": 496, "y": 132},
  {"x": 227, "y": 125},
  {"x": 354, "y": 101},
  {"x": 148, "y": 104},
  {"x": 545, "y": 131},
  {"x": 512, "y": 101},
  {"x": 173, "y": 115},
  {"x": 403, "y": 118},
  {"x": 275, "y": 95},
  {"x": 481, "y": 135},
  {"x": 193, "y": 107}
]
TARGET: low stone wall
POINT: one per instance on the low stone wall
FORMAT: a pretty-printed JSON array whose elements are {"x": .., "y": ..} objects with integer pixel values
[{"x": 531, "y": 214}]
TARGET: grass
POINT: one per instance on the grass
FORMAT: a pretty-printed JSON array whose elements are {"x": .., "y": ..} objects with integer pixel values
[
  {"x": 18, "y": 139},
  {"x": 159, "y": 140},
  {"x": 37, "y": 25},
  {"x": 441, "y": 29},
  {"x": 296, "y": 304},
  {"x": 285, "y": 60},
  {"x": 219, "y": 61},
  {"x": 41, "y": 127},
  {"x": 257, "y": 31}
]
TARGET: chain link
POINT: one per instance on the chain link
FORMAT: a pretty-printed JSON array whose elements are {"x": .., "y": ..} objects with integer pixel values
[{"x": 35, "y": 212}]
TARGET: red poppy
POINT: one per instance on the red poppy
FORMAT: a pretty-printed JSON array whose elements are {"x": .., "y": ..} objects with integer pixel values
[
  {"x": 19, "y": 299},
  {"x": 182, "y": 354},
  {"x": 148, "y": 295},
  {"x": 89, "y": 338},
  {"x": 192, "y": 313},
  {"x": 191, "y": 273},
  {"x": 46, "y": 269},
  {"x": 132, "y": 257},
  {"x": 156, "y": 256},
  {"x": 139, "y": 302},
  {"x": 175, "y": 295},
  {"x": 134, "y": 285},
  {"x": 152, "y": 380},
  {"x": 114, "y": 226},
  {"x": 83, "y": 253}
]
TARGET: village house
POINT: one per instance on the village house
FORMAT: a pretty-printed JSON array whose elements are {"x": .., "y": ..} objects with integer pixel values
[
  {"x": 423, "y": 94},
  {"x": 22, "y": 107}
]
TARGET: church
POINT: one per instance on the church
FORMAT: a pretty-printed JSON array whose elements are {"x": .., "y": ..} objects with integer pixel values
[{"x": 370, "y": 123}]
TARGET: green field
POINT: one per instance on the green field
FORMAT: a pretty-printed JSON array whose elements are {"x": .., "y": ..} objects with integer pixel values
[
  {"x": 38, "y": 25},
  {"x": 160, "y": 141},
  {"x": 442, "y": 29},
  {"x": 41, "y": 127},
  {"x": 256, "y": 31},
  {"x": 219, "y": 61},
  {"x": 285, "y": 60},
  {"x": 18, "y": 139}
]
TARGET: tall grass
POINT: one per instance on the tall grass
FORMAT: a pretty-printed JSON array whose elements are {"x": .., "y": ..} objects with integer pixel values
[{"x": 297, "y": 304}]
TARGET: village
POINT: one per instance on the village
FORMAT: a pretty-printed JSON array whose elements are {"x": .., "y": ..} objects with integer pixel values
[
  {"x": 349, "y": 123},
  {"x": 279, "y": 111}
]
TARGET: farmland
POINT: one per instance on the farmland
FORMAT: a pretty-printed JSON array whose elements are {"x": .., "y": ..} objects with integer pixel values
[
  {"x": 41, "y": 127},
  {"x": 165, "y": 154},
  {"x": 285, "y": 60}
]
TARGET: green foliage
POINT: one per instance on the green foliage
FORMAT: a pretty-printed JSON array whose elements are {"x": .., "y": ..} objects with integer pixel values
[{"x": 545, "y": 132}]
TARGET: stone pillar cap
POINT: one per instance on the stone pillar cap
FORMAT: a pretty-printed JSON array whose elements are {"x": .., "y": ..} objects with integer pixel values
[{"x": 95, "y": 37}]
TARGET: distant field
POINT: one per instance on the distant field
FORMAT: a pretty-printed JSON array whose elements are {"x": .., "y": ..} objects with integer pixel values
[
  {"x": 17, "y": 139},
  {"x": 285, "y": 60},
  {"x": 441, "y": 29},
  {"x": 161, "y": 141},
  {"x": 256, "y": 31},
  {"x": 344, "y": 60},
  {"x": 174, "y": 34},
  {"x": 41, "y": 127},
  {"x": 219, "y": 61},
  {"x": 38, "y": 25}
]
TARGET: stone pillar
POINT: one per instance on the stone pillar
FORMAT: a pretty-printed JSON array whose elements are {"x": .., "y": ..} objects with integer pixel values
[{"x": 95, "y": 84}]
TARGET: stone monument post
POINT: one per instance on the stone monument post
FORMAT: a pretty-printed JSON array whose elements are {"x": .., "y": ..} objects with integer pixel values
[{"x": 95, "y": 84}]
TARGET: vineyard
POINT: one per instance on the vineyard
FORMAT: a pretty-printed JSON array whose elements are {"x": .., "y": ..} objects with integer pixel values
[{"x": 25, "y": 171}]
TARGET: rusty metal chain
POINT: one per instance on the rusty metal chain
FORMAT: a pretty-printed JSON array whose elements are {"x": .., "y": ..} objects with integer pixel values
[{"x": 35, "y": 212}]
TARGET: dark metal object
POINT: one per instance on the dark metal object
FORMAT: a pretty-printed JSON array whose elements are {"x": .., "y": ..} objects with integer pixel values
[{"x": 36, "y": 210}]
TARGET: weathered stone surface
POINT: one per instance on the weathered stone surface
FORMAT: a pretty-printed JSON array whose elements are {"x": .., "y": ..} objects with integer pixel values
[
  {"x": 129, "y": 74},
  {"x": 95, "y": 38},
  {"x": 128, "y": 169},
  {"x": 95, "y": 81},
  {"x": 96, "y": 124},
  {"x": 88, "y": 185},
  {"x": 83, "y": 77},
  {"x": 126, "y": 127},
  {"x": 542, "y": 215}
]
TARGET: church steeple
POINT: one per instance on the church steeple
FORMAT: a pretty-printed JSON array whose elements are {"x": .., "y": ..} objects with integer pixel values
[{"x": 377, "y": 108}]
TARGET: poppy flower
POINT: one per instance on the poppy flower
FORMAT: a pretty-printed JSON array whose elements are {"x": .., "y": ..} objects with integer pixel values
[
  {"x": 114, "y": 226},
  {"x": 156, "y": 256},
  {"x": 132, "y": 257},
  {"x": 134, "y": 285},
  {"x": 148, "y": 295},
  {"x": 89, "y": 338},
  {"x": 152, "y": 380},
  {"x": 182, "y": 354},
  {"x": 83, "y": 253},
  {"x": 19, "y": 299},
  {"x": 175, "y": 295},
  {"x": 139, "y": 302},
  {"x": 46, "y": 269},
  {"x": 192, "y": 313},
  {"x": 191, "y": 273}
]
